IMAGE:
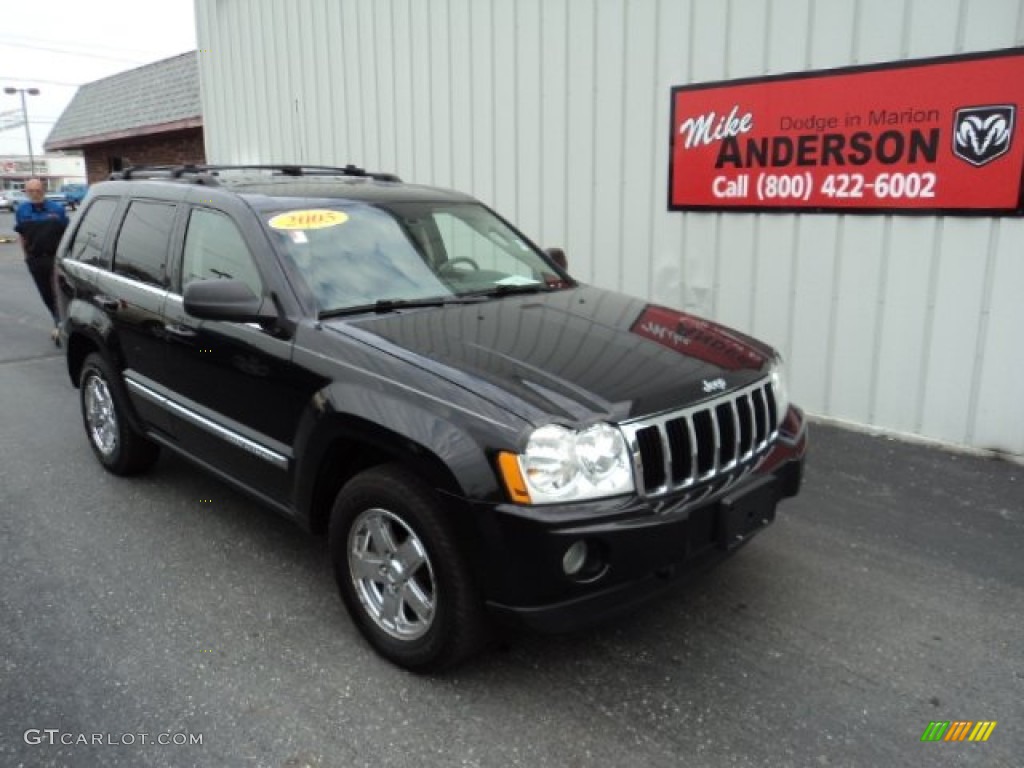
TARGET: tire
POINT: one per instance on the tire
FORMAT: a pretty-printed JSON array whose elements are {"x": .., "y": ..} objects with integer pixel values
[
  {"x": 400, "y": 573},
  {"x": 119, "y": 447}
]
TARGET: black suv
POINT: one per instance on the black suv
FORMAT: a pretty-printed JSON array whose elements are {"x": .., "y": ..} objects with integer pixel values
[{"x": 480, "y": 435}]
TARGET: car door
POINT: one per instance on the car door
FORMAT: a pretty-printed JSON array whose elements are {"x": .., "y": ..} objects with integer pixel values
[
  {"x": 236, "y": 394},
  {"x": 132, "y": 296}
]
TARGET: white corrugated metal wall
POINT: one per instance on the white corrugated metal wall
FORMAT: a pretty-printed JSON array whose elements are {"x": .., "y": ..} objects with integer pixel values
[{"x": 556, "y": 112}]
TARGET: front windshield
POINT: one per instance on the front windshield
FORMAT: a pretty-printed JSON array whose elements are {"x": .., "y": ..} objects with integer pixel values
[{"x": 355, "y": 255}]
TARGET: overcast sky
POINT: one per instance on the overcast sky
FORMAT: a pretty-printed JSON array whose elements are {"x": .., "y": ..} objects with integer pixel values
[{"x": 56, "y": 45}]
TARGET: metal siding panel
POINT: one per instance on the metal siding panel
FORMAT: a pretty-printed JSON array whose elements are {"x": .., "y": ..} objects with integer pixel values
[
  {"x": 484, "y": 98},
  {"x": 342, "y": 88},
  {"x": 278, "y": 62},
  {"x": 954, "y": 334},
  {"x": 220, "y": 108},
  {"x": 352, "y": 69},
  {"x": 700, "y": 244},
  {"x": 368, "y": 73},
  {"x": 812, "y": 312},
  {"x": 990, "y": 24},
  {"x": 504, "y": 75},
  {"x": 708, "y": 40},
  {"x": 900, "y": 347},
  {"x": 528, "y": 116},
  {"x": 666, "y": 271},
  {"x": 932, "y": 28},
  {"x": 999, "y": 419},
  {"x": 774, "y": 288},
  {"x": 580, "y": 149},
  {"x": 554, "y": 124},
  {"x": 735, "y": 272},
  {"x": 608, "y": 143},
  {"x": 830, "y": 43},
  {"x": 422, "y": 104},
  {"x": 639, "y": 110},
  {"x": 788, "y": 30},
  {"x": 294, "y": 149},
  {"x": 852, "y": 359},
  {"x": 748, "y": 24},
  {"x": 385, "y": 55},
  {"x": 205, "y": 37},
  {"x": 879, "y": 31},
  {"x": 406, "y": 116},
  {"x": 440, "y": 93},
  {"x": 316, "y": 101},
  {"x": 983, "y": 327},
  {"x": 460, "y": 67},
  {"x": 259, "y": 92}
]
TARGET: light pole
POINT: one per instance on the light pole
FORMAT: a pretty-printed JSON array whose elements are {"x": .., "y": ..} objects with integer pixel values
[{"x": 24, "y": 116}]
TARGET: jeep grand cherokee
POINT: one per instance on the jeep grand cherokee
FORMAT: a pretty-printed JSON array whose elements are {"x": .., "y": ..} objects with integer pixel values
[{"x": 479, "y": 435}]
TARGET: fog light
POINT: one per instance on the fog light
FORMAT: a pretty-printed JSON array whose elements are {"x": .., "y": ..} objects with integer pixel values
[{"x": 575, "y": 558}]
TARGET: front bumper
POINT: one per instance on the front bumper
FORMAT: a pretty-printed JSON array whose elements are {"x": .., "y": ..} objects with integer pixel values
[{"x": 637, "y": 547}]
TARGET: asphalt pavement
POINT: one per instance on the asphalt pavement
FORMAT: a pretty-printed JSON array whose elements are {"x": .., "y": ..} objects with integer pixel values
[{"x": 890, "y": 594}]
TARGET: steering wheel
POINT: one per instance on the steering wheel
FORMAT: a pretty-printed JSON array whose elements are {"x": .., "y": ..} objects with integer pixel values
[{"x": 448, "y": 268}]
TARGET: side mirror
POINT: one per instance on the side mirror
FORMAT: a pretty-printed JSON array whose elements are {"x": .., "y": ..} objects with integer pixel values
[
  {"x": 229, "y": 300},
  {"x": 558, "y": 256}
]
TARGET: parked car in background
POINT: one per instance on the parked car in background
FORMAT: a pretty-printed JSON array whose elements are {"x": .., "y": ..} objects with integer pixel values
[
  {"x": 74, "y": 194},
  {"x": 11, "y": 199}
]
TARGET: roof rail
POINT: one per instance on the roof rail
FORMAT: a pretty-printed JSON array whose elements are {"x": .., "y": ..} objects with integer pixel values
[{"x": 206, "y": 174}]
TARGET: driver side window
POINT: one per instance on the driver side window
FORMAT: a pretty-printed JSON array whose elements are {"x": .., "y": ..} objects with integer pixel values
[
  {"x": 463, "y": 241},
  {"x": 215, "y": 249}
]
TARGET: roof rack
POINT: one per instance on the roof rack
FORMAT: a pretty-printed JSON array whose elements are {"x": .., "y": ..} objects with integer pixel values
[{"x": 207, "y": 174}]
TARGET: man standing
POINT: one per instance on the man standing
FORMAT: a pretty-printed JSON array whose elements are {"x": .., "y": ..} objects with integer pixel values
[{"x": 40, "y": 223}]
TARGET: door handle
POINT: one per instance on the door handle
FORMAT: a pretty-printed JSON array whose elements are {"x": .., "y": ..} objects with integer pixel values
[
  {"x": 107, "y": 303},
  {"x": 179, "y": 330}
]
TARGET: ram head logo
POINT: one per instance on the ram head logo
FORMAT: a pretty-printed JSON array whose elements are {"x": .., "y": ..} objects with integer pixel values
[{"x": 981, "y": 134}]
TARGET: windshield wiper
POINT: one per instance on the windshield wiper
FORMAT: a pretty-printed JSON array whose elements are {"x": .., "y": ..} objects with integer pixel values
[
  {"x": 508, "y": 290},
  {"x": 390, "y": 305}
]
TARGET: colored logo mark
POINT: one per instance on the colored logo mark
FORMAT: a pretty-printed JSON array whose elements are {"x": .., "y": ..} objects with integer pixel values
[{"x": 958, "y": 730}]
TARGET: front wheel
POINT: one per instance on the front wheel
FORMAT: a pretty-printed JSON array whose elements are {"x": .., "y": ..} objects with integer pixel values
[
  {"x": 119, "y": 447},
  {"x": 400, "y": 573}
]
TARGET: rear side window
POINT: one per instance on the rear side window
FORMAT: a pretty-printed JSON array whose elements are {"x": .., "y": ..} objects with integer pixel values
[
  {"x": 87, "y": 246},
  {"x": 141, "y": 250}
]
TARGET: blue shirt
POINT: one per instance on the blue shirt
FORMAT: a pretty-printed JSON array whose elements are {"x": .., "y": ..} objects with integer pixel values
[{"x": 42, "y": 225}]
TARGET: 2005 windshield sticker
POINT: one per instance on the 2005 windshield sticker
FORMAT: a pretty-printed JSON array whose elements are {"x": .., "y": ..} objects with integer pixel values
[
  {"x": 314, "y": 219},
  {"x": 932, "y": 135}
]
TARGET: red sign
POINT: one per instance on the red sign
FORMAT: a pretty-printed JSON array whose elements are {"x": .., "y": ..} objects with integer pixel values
[{"x": 933, "y": 135}]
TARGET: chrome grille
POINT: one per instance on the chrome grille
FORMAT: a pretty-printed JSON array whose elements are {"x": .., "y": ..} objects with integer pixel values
[{"x": 677, "y": 450}]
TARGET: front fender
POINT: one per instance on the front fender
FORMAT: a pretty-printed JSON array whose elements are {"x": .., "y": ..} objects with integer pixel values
[{"x": 451, "y": 446}]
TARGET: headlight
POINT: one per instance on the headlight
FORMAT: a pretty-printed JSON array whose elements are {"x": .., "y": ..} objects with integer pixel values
[
  {"x": 563, "y": 465},
  {"x": 549, "y": 462},
  {"x": 780, "y": 389}
]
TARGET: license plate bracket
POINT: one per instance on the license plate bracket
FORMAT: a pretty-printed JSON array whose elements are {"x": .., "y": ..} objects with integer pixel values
[{"x": 742, "y": 515}]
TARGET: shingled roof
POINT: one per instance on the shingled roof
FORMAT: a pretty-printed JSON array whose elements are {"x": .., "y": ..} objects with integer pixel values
[{"x": 158, "y": 97}]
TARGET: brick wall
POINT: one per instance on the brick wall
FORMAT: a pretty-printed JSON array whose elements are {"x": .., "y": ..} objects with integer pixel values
[{"x": 163, "y": 149}]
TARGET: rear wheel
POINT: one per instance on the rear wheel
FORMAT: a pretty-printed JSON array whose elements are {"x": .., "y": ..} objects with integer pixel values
[
  {"x": 400, "y": 572},
  {"x": 119, "y": 447}
]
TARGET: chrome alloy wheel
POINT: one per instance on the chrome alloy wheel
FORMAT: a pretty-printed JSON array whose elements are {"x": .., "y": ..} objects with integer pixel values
[
  {"x": 392, "y": 575},
  {"x": 100, "y": 416}
]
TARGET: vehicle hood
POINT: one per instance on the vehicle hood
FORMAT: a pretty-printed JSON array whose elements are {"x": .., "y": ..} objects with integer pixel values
[{"x": 572, "y": 355}]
